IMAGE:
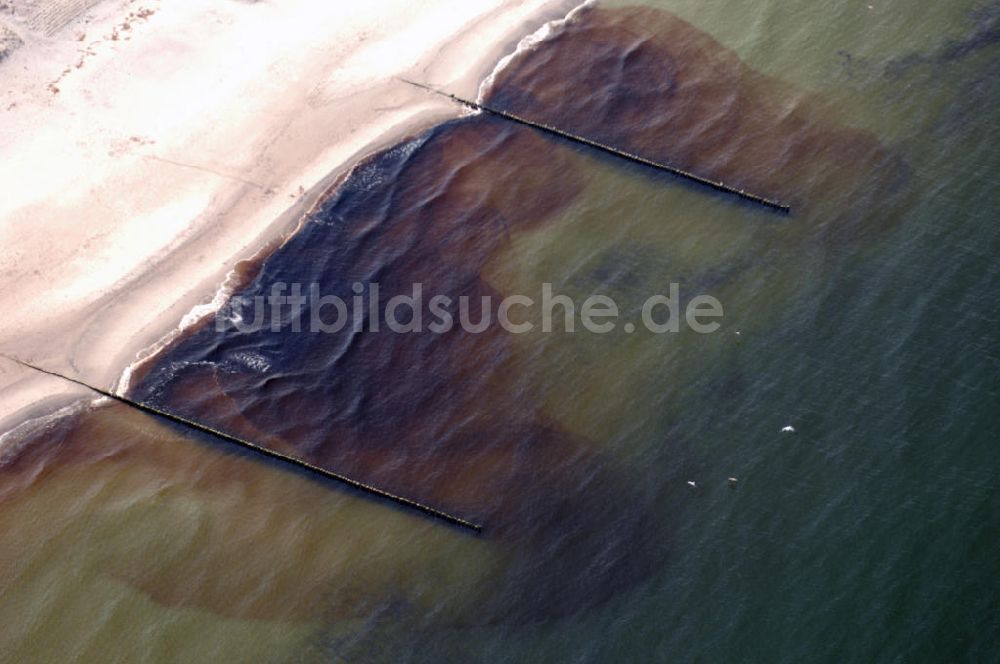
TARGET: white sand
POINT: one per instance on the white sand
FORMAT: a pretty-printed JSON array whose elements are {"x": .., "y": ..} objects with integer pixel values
[{"x": 140, "y": 163}]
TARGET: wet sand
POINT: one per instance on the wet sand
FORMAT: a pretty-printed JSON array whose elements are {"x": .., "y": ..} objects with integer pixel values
[
  {"x": 488, "y": 425},
  {"x": 493, "y": 428},
  {"x": 575, "y": 451},
  {"x": 149, "y": 147}
]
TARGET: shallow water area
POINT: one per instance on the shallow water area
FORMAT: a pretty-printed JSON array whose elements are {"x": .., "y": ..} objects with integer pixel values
[{"x": 863, "y": 320}]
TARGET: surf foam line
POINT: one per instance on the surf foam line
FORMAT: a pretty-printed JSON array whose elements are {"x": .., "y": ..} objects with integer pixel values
[
  {"x": 263, "y": 451},
  {"x": 543, "y": 33},
  {"x": 687, "y": 175}
]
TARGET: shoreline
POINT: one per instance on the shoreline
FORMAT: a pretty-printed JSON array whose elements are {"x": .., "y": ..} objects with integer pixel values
[
  {"x": 314, "y": 125},
  {"x": 328, "y": 186}
]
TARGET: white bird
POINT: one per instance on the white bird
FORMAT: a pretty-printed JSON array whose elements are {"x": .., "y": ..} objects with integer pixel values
[
  {"x": 732, "y": 480},
  {"x": 691, "y": 483},
  {"x": 788, "y": 429}
]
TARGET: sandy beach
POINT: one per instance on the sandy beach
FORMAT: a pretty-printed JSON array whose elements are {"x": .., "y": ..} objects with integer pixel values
[
  {"x": 690, "y": 428},
  {"x": 149, "y": 147}
]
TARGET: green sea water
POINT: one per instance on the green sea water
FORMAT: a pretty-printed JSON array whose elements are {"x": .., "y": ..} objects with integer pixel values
[
  {"x": 870, "y": 534},
  {"x": 873, "y": 533}
]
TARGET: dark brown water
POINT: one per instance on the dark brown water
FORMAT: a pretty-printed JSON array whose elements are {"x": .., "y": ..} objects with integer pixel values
[
  {"x": 456, "y": 420},
  {"x": 573, "y": 450}
]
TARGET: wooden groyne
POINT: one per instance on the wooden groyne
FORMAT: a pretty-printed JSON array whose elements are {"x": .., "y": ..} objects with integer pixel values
[
  {"x": 263, "y": 451},
  {"x": 687, "y": 175}
]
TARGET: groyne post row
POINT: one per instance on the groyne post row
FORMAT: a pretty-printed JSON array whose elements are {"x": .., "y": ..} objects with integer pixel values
[
  {"x": 687, "y": 175},
  {"x": 263, "y": 451}
]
